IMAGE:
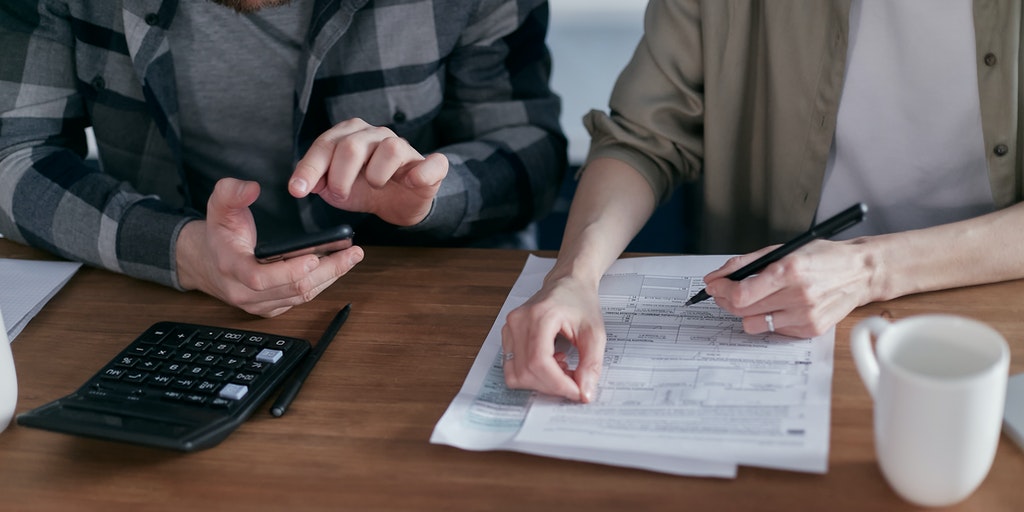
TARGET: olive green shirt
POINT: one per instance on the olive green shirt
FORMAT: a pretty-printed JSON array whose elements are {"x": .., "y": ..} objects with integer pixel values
[{"x": 741, "y": 97}]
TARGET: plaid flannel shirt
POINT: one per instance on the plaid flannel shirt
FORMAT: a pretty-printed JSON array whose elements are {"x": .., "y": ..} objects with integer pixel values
[{"x": 467, "y": 78}]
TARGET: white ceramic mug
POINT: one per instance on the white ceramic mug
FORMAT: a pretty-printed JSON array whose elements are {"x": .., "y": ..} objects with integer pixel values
[
  {"x": 8, "y": 379},
  {"x": 938, "y": 383}
]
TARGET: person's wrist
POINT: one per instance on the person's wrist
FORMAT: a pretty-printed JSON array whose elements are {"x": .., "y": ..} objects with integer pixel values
[
  {"x": 185, "y": 249},
  {"x": 874, "y": 264}
]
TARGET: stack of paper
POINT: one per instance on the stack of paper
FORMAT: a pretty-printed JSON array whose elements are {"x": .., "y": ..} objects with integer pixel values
[
  {"x": 26, "y": 286},
  {"x": 684, "y": 390}
]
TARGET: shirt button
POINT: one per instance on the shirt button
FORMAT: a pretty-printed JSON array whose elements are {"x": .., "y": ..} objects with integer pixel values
[
  {"x": 99, "y": 83},
  {"x": 152, "y": 19},
  {"x": 399, "y": 117},
  {"x": 990, "y": 59},
  {"x": 1000, "y": 150}
]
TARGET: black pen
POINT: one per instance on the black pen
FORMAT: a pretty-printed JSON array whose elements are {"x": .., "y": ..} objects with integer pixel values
[
  {"x": 293, "y": 385},
  {"x": 825, "y": 229}
]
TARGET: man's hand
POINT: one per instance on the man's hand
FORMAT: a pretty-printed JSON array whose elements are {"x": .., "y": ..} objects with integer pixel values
[
  {"x": 362, "y": 168},
  {"x": 216, "y": 256}
]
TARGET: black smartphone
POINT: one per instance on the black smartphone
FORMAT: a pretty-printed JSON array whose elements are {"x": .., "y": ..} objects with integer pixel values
[{"x": 320, "y": 243}]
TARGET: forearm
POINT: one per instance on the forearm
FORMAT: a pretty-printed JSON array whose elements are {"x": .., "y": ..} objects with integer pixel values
[
  {"x": 87, "y": 215},
  {"x": 611, "y": 204},
  {"x": 982, "y": 250}
]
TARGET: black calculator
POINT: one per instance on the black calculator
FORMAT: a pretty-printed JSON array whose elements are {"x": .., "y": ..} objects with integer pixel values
[{"x": 179, "y": 386}]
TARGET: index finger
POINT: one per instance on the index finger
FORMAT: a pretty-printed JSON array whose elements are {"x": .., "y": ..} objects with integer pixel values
[
  {"x": 313, "y": 166},
  {"x": 737, "y": 262}
]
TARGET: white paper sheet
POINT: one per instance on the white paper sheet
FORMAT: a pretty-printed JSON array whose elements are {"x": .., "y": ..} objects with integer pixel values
[
  {"x": 683, "y": 390},
  {"x": 26, "y": 286}
]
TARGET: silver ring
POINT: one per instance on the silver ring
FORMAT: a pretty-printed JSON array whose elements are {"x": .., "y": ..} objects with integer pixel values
[
  {"x": 770, "y": 320},
  {"x": 508, "y": 356}
]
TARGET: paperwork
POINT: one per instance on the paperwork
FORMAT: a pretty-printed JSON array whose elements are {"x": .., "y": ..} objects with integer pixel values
[
  {"x": 26, "y": 286},
  {"x": 683, "y": 391}
]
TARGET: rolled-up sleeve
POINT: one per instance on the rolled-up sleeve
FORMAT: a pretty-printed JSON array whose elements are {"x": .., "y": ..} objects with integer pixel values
[{"x": 656, "y": 118}]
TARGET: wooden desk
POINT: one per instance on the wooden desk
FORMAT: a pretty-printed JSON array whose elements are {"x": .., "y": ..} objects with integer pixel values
[{"x": 357, "y": 437}]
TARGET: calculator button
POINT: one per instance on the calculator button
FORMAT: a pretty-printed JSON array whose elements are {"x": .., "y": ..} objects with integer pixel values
[
  {"x": 197, "y": 345},
  {"x": 256, "y": 366},
  {"x": 135, "y": 376},
  {"x": 245, "y": 378},
  {"x": 233, "y": 391},
  {"x": 194, "y": 398},
  {"x": 280, "y": 344},
  {"x": 153, "y": 336},
  {"x": 221, "y": 348},
  {"x": 173, "y": 368},
  {"x": 196, "y": 371},
  {"x": 178, "y": 337},
  {"x": 187, "y": 356},
  {"x": 255, "y": 339},
  {"x": 233, "y": 336},
  {"x": 220, "y": 403},
  {"x": 232, "y": 362},
  {"x": 113, "y": 373},
  {"x": 220, "y": 374},
  {"x": 208, "y": 359},
  {"x": 208, "y": 333},
  {"x": 139, "y": 350},
  {"x": 172, "y": 395},
  {"x": 127, "y": 360},
  {"x": 162, "y": 353},
  {"x": 245, "y": 351},
  {"x": 269, "y": 356},
  {"x": 148, "y": 365}
]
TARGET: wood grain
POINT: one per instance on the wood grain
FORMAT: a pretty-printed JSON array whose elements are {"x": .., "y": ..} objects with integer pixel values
[{"x": 357, "y": 436}]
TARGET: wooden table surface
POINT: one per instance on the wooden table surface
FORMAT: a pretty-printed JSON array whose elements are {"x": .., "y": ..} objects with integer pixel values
[{"x": 357, "y": 436}]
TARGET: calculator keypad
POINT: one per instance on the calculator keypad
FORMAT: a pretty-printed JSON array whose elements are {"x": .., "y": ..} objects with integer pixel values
[
  {"x": 179, "y": 386},
  {"x": 190, "y": 364}
]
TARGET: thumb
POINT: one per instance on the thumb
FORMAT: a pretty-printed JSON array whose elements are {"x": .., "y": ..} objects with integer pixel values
[
  {"x": 229, "y": 203},
  {"x": 588, "y": 371},
  {"x": 428, "y": 172}
]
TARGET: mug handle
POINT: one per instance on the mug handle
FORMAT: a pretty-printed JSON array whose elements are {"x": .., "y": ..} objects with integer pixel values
[{"x": 863, "y": 353}]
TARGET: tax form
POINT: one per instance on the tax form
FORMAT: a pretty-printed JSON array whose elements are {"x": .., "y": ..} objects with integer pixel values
[{"x": 683, "y": 389}]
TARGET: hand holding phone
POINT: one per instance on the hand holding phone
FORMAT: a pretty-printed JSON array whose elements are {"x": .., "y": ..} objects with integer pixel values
[{"x": 320, "y": 243}]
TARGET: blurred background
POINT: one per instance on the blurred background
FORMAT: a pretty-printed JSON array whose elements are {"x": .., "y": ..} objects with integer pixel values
[{"x": 591, "y": 41}]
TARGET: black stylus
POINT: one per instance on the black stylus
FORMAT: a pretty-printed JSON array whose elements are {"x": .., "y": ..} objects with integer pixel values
[
  {"x": 291, "y": 388},
  {"x": 825, "y": 229}
]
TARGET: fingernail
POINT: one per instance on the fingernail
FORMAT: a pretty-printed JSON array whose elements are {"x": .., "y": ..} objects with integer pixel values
[
  {"x": 299, "y": 185},
  {"x": 588, "y": 391}
]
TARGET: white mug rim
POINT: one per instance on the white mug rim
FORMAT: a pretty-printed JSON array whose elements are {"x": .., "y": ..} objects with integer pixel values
[{"x": 884, "y": 350}]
